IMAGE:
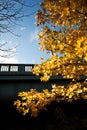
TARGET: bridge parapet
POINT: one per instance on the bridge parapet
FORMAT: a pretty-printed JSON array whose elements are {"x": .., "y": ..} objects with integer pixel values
[
  {"x": 22, "y": 72},
  {"x": 16, "y": 72},
  {"x": 15, "y": 68}
]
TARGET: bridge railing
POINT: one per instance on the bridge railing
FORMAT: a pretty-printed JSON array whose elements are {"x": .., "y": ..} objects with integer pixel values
[
  {"x": 12, "y": 71},
  {"x": 15, "y": 68}
]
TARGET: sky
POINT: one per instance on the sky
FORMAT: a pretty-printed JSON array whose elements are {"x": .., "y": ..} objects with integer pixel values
[{"x": 27, "y": 50}]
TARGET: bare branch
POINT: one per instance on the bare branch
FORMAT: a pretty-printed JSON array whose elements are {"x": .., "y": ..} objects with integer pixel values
[{"x": 11, "y": 12}]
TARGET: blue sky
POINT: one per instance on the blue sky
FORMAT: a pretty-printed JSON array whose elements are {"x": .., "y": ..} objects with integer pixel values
[{"x": 28, "y": 49}]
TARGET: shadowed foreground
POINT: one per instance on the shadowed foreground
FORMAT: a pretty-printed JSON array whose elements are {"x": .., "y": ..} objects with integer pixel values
[{"x": 62, "y": 116}]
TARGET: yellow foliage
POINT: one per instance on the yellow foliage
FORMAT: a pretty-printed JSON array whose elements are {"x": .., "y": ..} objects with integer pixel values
[
  {"x": 64, "y": 35},
  {"x": 38, "y": 101}
]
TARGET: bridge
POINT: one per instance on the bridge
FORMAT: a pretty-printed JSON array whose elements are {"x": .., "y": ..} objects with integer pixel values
[{"x": 15, "y": 78}]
